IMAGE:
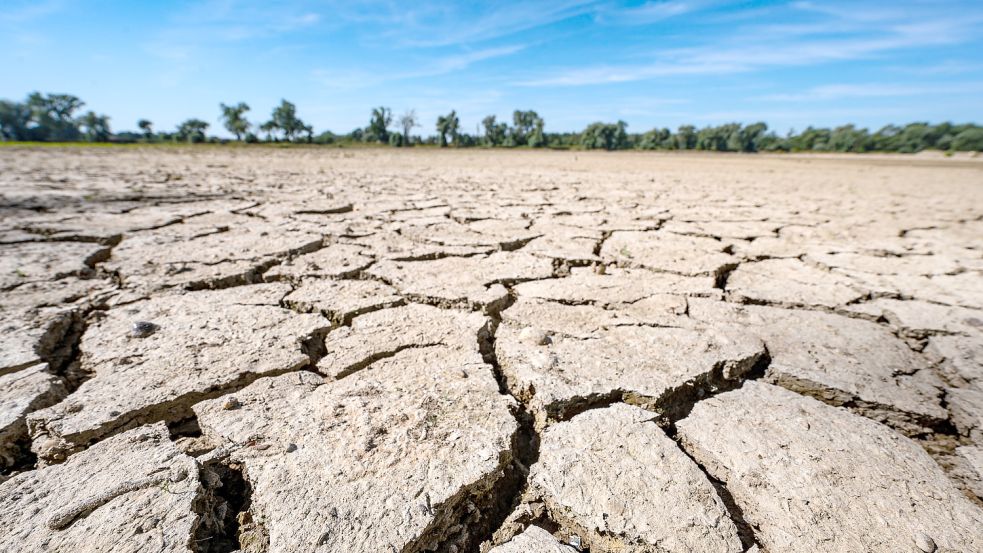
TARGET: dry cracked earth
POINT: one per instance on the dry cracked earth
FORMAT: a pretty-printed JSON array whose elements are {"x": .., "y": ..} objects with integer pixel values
[{"x": 297, "y": 350}]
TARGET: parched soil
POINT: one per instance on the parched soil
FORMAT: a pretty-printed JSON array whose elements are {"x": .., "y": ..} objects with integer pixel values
[{"x": 223, "y": 349}]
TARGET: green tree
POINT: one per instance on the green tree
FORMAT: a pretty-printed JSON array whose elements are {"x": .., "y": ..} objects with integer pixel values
[
  {"x": 95, "y": 128},
  {"x": 285, "y": 120},
  {"x": 686, "y": 137},
  {"x": 527, "y": 129},
  {"x": 657, "y": 139},
  {"x": 606, "y": 136},
  {"x": 408, "y": 121},
  {"x": 495, "y": 133},
  {"x": 147, "y": 127},
  {"x": 378, "y": 129},
  {"x": 192, "y": 130},
  {"x": 969, "y": 140},
  {"x": 52, "y": 116},
  {"x": 447, "y": 126},
  {"x": 234, "y": 120},
  {"x": 15, "y": 118}
]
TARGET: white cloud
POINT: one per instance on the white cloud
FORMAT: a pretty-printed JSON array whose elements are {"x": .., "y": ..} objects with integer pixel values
[
  {"x": 874, "y": 90},
  {"x": 754, "y": 48}
]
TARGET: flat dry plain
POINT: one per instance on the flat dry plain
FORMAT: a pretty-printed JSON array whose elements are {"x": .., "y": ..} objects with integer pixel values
[{"x": 296, "y": 350}]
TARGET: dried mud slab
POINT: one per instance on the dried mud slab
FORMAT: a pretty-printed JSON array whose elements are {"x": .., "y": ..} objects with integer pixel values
[
  {"x": 341, "y": 300},
  {"x": 134, "y": 492},
  {"x": 40, "y": 321},
  {"x": 968, "y": 468},
  {"x": 213, "y": 252},
  {"x": 920, "y": 319},
  {"x": 150, "y": 360},
  {"x": 839, "y": 360},
  {"x": 811, "y": 477},
  {"x": 791, "y": 282},
  {"x": 960, "y": 358},
  {"x": 384, "y": 333},
  {"x": 670, "y": 252},
  {"x": 403, "y": 456},
  {"x": 334, "y": 261},
  {"x": 475, "y": 282},
  {"x": 615, "y": 287},
  {"x": 586, "y": 321},
  {"x": 615, "y": 479},
  {"x": 533, "y": 540},
  {"x": 557, "y": 374},
  {"x": 22, "y": 392},
  {"x": 44, "y": 261}
]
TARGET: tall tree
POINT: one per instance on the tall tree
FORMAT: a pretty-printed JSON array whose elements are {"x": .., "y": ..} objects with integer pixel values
[
  {"x": 407, "y": 121},
  {"x": 447, "y": 126},
  {"x": 494, "y": 132},
  {"x": 378, "y": 129},
  {"x": 527, "y": 129},
  {"x": 53, "y": 115},
  {"x": 95, "y": 128},
  {"x": 147, "y": 127},
  {"x": 14, "y": 120},
  {"x": 286, "y": 121},
  {"x": 234, "y": 119},
  {"x": 192, "y": 130}
]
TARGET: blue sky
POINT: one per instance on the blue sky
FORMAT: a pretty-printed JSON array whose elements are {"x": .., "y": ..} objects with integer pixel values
[{"x": 656, "y": 63}]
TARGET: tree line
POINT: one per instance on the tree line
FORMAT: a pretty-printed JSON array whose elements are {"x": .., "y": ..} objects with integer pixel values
[{"x": 59, "y": 118}]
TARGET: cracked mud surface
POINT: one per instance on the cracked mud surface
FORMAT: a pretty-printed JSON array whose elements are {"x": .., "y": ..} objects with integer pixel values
[{"x": 266, "y": 350}]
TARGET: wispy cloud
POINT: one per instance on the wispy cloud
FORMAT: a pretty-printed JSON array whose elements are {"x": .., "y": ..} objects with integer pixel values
[
  {"x": 649, "y": 12},
  {"x": 426, "y": 24},
  {"x": 753, "y": 48},
  {"x": 348, "y": 79},
  {"x": 874, "y": 90}
]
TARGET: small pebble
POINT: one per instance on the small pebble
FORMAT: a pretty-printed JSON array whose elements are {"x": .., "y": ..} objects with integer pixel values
[
  {"x": 924, "y": 542},
  {"x": 291, "y": 448},
  {"x": 142, "y": 329},
  {"x": 230, "y": 403},
  {"x": 534, "y": 336}
]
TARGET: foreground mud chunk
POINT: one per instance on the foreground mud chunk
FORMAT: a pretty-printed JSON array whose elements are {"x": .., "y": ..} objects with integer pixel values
[
  {"x": 559, "y": 373},
  {"x": 839, "y": 360},
  {"x": 205, "y": 342},
  {"x": 533, "y": 540},
  {"x": 811, "y": 477},
  {"x": 668, "y": 251},
  {"x": 22, "y": 392},
  {"x": 402, "y": 456},
  {"x": 131, "y": 493},
  {"x": 341, "y": 300},
  {"x": 612, "y": 477},
  {"x": 42, "y": 261},
  {"x": 791, "y": 282},
  {"x": 213, "y": 252},
  {"x": 384, "y": 333},
  {"x": 477, "y": 281}
]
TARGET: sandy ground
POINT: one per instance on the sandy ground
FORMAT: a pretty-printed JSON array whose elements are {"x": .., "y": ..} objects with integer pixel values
[{"x": 308, "y": 349}]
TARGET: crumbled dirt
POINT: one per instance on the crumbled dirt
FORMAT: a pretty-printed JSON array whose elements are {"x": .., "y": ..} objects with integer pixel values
[{"x": 309, "y": 349}]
